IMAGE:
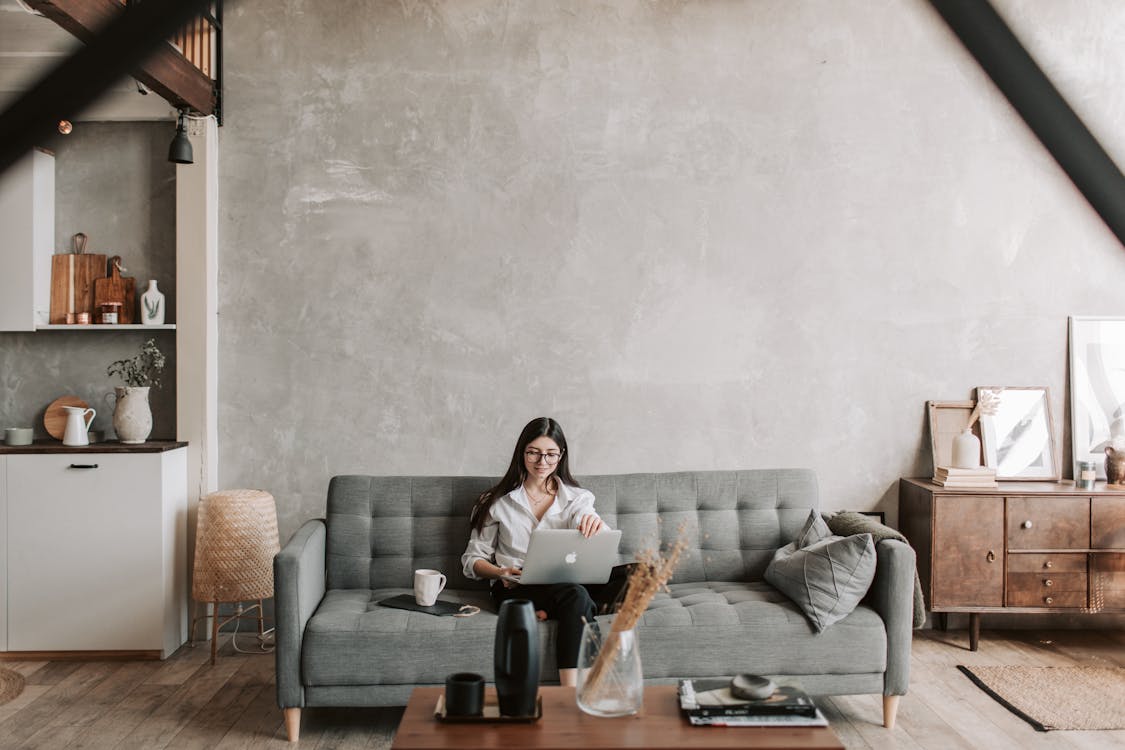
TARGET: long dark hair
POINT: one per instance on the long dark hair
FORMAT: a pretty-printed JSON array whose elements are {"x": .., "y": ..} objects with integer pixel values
[{"x": 517, "y": 472}]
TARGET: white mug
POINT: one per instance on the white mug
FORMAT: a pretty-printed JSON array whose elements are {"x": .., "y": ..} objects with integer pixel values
[{"x": 427, "y": 585}]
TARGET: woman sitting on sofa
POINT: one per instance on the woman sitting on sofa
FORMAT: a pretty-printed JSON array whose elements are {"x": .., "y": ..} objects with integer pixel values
[{"x": 536, "y": 492}]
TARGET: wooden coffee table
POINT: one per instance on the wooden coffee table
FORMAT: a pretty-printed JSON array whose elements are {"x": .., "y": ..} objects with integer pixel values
[{"x": 564, "y": 727}]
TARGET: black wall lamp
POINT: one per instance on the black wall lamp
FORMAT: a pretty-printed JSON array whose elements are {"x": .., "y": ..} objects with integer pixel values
[{"x": 179, "y": 151}]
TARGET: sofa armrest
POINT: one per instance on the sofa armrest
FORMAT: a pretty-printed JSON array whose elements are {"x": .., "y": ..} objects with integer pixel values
[
  {"x": 892, "y": 596},
  {"x": 299, "y": 584}
]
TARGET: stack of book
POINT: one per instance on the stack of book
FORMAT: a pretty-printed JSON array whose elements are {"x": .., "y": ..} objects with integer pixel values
[
  {"x": 710, "y": 703},
  {"x": 982, "y": 476}
]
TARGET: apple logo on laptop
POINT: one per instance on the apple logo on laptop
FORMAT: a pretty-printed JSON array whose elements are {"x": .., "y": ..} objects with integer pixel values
[{"x": 571, "y": 558}]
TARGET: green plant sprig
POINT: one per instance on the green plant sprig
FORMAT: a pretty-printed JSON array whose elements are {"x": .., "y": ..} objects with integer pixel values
[{"x": 141, "y": 370}]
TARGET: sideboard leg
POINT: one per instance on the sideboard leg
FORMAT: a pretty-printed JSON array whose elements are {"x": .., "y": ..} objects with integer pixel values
[
  {"x": 943, "y": 621},
  {"x": 890, "y": 710},
  {"x": 974, "y": 631},
  {"x": 293, "y": 723}
]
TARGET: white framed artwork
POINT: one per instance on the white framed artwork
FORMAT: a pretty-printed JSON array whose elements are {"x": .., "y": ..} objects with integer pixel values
[{"x": 1097, "y": 387}]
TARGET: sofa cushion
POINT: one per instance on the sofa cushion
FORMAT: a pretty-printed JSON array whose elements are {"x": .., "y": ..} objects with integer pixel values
[
  {"x": 702, "y": 629},
  {"x": 825, "y": 575}
]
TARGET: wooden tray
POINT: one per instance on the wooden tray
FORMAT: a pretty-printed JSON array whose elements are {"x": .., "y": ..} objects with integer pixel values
[
  {"x": 54, "y": 419},
  {"x": 491, "y": 713}
]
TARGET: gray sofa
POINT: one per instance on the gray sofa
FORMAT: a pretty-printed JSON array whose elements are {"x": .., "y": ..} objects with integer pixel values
[{"x": 337, "y": 647}]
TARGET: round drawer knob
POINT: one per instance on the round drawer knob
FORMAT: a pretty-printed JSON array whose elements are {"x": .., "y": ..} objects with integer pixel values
[
  {"x": 1048, "y": 564},
  {"x": 1048, "y": 582},
  {"x": 1026, "y": 524},
  {"x": 1049, "y": 600}
]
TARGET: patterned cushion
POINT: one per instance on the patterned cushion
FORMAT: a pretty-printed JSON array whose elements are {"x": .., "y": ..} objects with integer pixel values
[{"x": 824, "y": 575}]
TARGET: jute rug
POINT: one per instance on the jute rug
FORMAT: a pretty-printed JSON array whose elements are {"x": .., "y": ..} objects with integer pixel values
[
  {"x": 1057, "y": 697},
  {"x": 11, "y": 685}
]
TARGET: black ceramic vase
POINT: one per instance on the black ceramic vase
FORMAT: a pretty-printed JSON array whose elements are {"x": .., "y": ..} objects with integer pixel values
[{"x": 516, "y": 657}]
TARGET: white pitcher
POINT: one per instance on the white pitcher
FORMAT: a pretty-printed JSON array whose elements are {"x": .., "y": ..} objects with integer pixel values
[{"x": 77, "y": 426}]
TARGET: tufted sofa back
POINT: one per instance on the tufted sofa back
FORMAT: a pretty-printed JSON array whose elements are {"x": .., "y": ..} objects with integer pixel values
[{"x": 380, "y": 529}]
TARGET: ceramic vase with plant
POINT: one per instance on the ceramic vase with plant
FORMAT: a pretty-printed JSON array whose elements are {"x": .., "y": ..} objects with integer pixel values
[{"x": 132, "y": 416}]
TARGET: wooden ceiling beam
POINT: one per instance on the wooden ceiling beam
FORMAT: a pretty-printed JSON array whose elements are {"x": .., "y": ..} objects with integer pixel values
[{"x": 167, "y": 72}]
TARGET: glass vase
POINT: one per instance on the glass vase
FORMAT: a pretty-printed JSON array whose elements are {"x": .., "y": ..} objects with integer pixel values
[{"x": 610, "y": 680}]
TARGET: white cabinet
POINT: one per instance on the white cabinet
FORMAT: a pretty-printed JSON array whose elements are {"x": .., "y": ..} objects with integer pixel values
[
  {"x": 96, "y": 551},
  {"x": 27, "y": 240}
]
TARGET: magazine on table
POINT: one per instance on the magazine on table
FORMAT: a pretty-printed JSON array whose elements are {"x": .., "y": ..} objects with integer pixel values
[
  {"x": 765, "y": 720},
  {"x": 713, "y": 698}
]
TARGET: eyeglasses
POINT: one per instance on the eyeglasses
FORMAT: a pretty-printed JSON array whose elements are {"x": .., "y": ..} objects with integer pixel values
[{"x": 534, "y": 456}]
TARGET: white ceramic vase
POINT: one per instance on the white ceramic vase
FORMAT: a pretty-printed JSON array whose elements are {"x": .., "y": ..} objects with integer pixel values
[
  {"x": 152, "y": 305},
  {"x": 132, "y": 417},
  {"x": 966, "y": 450}
]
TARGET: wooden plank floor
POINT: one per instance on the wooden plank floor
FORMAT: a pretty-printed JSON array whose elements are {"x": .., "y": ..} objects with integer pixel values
[{"x": 184, "y": 702}]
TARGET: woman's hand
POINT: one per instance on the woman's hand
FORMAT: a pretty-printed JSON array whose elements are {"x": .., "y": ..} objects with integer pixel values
[
  {"x": 589, "y": 525},
  {"x": 508, "y": 572}
]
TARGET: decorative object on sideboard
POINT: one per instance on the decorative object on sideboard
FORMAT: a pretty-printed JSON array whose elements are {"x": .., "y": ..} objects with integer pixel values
[
  {"x": 1115, "y": 463},
  {"x": 516, "y": 658},
  {"x": 54, "y": 418},
  {"x": 132, "y": 416},
  {"x": 1018, "y": 434},
  {"x": 235, "y": 542},
  {"x": 1097, "y": 387},
  {"x": 966, "y": 446},
  {"x": 1086, "y": 478},
  {"x": 119, "y": 289},
  {"x": 73, "y": 276},
  {"x": 77, "y": 425},
  {"x": 947, "y": 419},
  {"x": 152, "y": 305}
]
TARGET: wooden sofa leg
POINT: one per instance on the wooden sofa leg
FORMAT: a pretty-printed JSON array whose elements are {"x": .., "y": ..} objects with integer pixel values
[
  {"x": 890, "y": 710},
  {"x": 293, "y": 723}
]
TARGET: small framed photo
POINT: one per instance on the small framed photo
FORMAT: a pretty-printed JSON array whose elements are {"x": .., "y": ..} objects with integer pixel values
[
  {"x": 1018, "y": 438},
  {"x": 947, "y": 420}
]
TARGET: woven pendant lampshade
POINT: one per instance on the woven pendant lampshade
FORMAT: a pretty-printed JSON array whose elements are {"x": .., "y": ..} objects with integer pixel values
[{"x": 235, "y": 543}]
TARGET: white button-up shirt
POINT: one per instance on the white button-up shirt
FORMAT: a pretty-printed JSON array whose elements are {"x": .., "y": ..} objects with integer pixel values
[{"x": 507, "y": 530}]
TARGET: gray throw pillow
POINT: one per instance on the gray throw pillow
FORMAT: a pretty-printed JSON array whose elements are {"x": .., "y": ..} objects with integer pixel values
[{"x": 828, "y": 576}]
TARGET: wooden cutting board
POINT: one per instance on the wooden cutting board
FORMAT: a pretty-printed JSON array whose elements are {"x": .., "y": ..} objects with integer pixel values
[
  {"x": 117, "y": 288},
  {"x": 54, "y": 420},
  {"x": 73, "y": 276}
]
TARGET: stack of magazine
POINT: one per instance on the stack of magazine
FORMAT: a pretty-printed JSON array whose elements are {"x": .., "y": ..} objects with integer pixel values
[{"x": 710, "y": 703}]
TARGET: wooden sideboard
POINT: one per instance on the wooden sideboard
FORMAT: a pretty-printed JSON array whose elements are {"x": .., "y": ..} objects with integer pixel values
[{"x": 1022, "y": 547}]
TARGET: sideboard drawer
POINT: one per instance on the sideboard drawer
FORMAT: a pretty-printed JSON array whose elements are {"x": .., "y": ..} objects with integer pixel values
[
  {"x": 1047, "y": 563},
  {"x": 1040, "y": 590},
  {"x": 1048, "y": 523}
]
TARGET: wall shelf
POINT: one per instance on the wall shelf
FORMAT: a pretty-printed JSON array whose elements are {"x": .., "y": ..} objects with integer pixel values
[{"x": 105, "y": 327}]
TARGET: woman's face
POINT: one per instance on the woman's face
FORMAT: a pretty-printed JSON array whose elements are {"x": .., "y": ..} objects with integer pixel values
[{"x": 541, "y": 457}]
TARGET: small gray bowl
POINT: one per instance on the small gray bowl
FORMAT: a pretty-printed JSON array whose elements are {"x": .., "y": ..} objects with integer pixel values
[{"x": 18, "y": 435}]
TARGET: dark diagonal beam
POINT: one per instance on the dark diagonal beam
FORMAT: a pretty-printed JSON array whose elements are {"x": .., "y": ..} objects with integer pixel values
[
  {"x": 984, "y": 33},
  {"x": 78, "y": 81}
]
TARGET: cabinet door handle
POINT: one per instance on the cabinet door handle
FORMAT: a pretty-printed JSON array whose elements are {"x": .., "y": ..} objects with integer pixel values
[
  {"x": 83, "y": 466},
  {"x": 1048, "y": 564},
  {"x": 1048, "y": 600},
  {"x": 1048, "y": 582},
  {"x": 991, "y": 556},
  {"x": 1026, "y": 524}
]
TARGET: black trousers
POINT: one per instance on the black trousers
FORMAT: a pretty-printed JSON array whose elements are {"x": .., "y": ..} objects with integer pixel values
[{"x": 568, "y": 603}]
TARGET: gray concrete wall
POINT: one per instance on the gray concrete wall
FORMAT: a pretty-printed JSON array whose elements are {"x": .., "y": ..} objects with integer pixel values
[
  {"x": 113, "y": 181},
  {"x": 701, "y": 234}
]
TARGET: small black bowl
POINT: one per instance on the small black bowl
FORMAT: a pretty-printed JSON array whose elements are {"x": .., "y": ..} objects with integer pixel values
[{"x": 464, "y": 694}]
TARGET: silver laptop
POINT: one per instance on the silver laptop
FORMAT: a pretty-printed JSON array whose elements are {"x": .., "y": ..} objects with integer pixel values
[{"x": 565, "y": 556}]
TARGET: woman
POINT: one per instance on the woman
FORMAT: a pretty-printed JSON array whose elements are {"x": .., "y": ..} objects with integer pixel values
[{"x": 537, "y": 492}]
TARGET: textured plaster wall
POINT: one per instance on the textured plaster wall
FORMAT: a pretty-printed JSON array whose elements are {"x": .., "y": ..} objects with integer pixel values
[
  {"x": 703, "y": 235},
  {"x": 113, "y": 181}
]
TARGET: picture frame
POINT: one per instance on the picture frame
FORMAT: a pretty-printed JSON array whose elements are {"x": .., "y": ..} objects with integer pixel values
[
  {"x": 1097, "y": 387},
  {"x": 1018, "y": 440},
  {"x": 947, "y": 420}
]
